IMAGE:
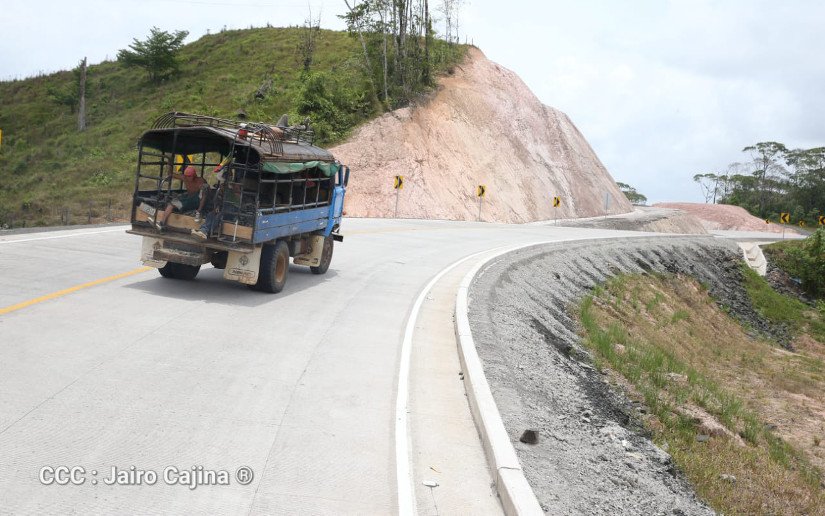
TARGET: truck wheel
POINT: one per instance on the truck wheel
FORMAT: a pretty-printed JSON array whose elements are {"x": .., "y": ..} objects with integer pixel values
[
  {"x": 274, "y": 267},
  {"x": 219, "y": 259},
  {"x": 179, "y": 271},
  {"x": 326, "y": 257}
]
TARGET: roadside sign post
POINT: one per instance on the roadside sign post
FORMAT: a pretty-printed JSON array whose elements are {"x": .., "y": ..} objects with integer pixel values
[
  {"x": 556, "y": 204},
  {"x": 398, "y": 185},
  {"x": 481, "y": 191},
  {"x": 784, "y": 218}
]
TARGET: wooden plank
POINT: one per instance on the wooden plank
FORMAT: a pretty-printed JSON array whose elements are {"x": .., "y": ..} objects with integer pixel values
[
  {"x": 176, "y": 220},
  {"x": 244, "y": 232}
]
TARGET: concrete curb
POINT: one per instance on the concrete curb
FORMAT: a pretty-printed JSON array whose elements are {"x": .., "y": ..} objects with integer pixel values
[{"x": 516, "y": 495}]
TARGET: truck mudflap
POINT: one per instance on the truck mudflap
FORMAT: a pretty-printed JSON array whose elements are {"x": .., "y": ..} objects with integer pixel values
[
  {"x": 147, "y": 252},
  {"x": 313, "y": 256},
  {"x": 243, "y": 267}
]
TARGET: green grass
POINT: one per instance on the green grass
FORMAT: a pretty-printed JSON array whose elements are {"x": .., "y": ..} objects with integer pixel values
[
  {"x": 46, "y": 164},
  {"x": 779, "y": 308},
  {"x": 715, "y": 368}
]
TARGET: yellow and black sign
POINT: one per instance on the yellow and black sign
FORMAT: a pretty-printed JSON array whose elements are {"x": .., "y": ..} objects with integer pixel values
[
  {"x": 399, "y": 182},
  {"x": 822, "y": 220},
  {"x": 784, "y": 218},
  {"x": 767, "y": 221},
  {"x": 556, "y": 202},
  {"x": 481, "y": 191},
  {"x": 802, "y": 223},
  {"x": 183, "y": 161}
]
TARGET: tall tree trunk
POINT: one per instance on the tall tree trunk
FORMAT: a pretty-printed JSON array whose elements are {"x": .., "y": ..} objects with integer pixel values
[
  {"x": 363, "y": 43},
  {"x": 426, "y": 42},
  {"x": 384, "y": 28},
  {"x": 81, "y": 110}
]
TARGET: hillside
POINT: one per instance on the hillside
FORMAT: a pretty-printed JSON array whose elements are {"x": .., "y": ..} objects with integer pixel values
[
  {"x": 483, "y": 127},
  {"x": 46, "y": 165}
]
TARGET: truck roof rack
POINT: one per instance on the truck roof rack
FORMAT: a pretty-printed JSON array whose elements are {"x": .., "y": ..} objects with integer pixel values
[{"x": 266, "y": 133}]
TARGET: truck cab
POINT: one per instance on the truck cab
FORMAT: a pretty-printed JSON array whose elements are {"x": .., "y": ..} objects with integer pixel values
[{"x": 264, "y": 194}]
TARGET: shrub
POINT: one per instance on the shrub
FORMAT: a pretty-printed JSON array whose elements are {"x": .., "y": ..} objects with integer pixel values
[{"x": 808, "y": 261}]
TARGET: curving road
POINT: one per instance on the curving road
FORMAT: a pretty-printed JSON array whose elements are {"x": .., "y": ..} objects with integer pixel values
[{"x": 104, "y": 364}]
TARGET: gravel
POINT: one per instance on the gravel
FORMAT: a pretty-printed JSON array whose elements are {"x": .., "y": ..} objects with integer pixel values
[
  {"x": 592, "y": 455},
  {"x": 644, "y": 218}
]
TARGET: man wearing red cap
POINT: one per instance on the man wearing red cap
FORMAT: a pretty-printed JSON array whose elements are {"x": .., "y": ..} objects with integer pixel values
[{"x": 188, "y": 200}]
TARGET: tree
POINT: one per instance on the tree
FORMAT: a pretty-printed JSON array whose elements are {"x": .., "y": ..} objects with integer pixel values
[
  {"x": 306, "y": 46},
  {"x": 399, "y": 35},
  {"x": 632, "y": 195},
  {"x": 158, "y": 54},
  {"x": 776, "y": 180},
  {"x": 69, "y": 95},
  {"x": 709, "y": 183},
  {"x": 766, "y": 161}
]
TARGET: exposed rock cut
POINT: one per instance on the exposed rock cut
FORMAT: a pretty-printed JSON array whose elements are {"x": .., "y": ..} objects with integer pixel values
[{"x": 482, "y": 127}]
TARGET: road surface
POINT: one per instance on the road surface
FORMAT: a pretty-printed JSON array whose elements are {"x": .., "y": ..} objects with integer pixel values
[{"x": 106, "y": 365}]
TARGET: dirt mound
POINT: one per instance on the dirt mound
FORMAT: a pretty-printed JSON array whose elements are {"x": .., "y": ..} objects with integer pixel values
[
  {"x": 724, "y": 217},
  {"x": 482, "y": 127}
]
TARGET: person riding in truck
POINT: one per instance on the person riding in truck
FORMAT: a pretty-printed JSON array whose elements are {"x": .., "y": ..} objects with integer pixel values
[{"x": 189, "y": 200}]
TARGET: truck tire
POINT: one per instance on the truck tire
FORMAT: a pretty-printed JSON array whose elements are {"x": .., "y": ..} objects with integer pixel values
[
  {"x": 326, "y": 257},
  {"x": 274, "y": 267},
  {"x": 219, "y": 259},
  {"x": 179, "y": 271}
]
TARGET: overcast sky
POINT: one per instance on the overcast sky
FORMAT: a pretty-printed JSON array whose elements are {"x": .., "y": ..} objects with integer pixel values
[{"x": 661, "y": 89}]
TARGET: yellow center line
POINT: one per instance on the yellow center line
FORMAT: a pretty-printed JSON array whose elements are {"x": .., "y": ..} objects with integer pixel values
[{"x": 66, "y": 291}]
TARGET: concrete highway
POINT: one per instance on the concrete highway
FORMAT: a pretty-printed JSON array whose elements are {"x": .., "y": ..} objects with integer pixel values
[{"x": 105, "y": 364}]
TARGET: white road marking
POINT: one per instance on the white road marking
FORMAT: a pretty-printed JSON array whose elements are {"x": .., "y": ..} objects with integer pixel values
[{"x": 78, "y": 233}]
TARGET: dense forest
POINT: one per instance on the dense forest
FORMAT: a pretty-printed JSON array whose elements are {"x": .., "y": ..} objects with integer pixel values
[{"x": 773, "y": 180}]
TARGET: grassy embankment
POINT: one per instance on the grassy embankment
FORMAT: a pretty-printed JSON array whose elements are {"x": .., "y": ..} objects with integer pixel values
[
  {"x": 722, "y": 402},
  {"x": 47, "y": 166}
]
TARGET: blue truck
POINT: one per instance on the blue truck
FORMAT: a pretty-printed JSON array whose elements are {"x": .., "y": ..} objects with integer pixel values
[{"x": 243, "y": 196}]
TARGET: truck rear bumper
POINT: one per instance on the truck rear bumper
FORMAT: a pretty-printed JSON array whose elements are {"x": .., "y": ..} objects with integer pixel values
[{"x": 182, "y": 238}]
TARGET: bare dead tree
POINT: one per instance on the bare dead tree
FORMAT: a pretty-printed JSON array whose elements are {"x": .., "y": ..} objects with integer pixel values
[
  {"x": 81, "y": 110},
  {"x": 383, "y": 17},
  {"x": 426, "y": 42},
  {"x": 309, "y": 33}
]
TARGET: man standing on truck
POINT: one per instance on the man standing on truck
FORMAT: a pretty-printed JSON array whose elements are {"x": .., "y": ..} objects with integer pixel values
[
  {"x": 189, "y": 200},
  {"x": 211, "y": 201}
]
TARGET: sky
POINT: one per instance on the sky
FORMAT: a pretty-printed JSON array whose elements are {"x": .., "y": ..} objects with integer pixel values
[{"x": 662, "y": 89}]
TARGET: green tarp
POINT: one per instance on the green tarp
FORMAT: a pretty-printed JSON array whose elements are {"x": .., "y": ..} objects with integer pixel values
[{"x": 328, "y": 169}]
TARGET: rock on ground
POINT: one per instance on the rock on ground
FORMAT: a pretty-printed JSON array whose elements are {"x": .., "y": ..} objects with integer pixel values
[
  {"x": 593, "y": 456},
  {"x": 483, "y": 126}
]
